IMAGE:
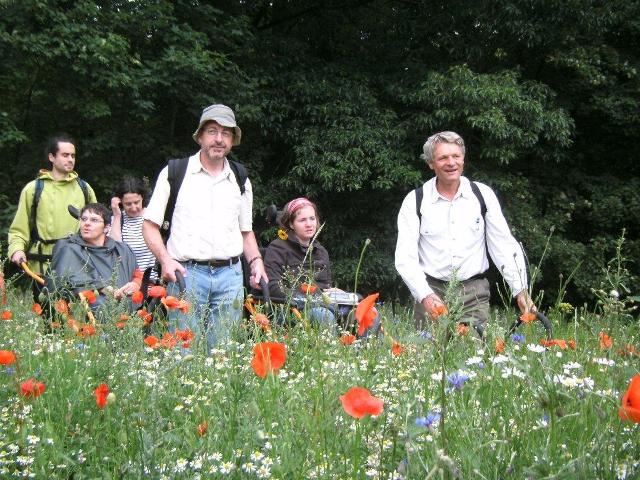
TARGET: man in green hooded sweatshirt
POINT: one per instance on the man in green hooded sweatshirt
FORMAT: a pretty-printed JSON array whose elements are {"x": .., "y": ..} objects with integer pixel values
[{"x": 35, "y": 230}]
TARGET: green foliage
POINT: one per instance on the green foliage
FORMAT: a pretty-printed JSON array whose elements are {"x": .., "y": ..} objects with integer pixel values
[{"x": 335, "y": 100}]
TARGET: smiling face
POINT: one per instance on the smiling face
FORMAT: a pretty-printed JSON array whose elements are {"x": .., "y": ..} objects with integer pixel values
[
  {"x": 447, "y": 163},
  {"x": 64, "y": 160},
  {"x": 132, "y": 204},
  {"x": 305, "y": 224},
  {"x": 215, "y": 141}
]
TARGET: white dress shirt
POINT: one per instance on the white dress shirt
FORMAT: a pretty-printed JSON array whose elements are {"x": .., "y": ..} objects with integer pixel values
[
  {"x": 450, "y": 241},
  {"x": 209, "y": 216}
]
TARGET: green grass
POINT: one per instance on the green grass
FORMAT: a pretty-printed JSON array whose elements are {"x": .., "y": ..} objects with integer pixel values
[{"x": 529, "y": 413}]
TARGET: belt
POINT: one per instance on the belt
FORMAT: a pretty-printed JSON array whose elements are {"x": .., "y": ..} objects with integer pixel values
[
  {"x": 216, "y": 263},
  {"x": 477, "y": 276}
]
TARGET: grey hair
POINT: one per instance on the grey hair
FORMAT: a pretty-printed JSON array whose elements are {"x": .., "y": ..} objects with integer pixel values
[{"x": 442, "y": 137}]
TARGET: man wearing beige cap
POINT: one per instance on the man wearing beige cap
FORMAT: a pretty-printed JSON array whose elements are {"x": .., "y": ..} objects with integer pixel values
[{"x": 211, "y": 227}]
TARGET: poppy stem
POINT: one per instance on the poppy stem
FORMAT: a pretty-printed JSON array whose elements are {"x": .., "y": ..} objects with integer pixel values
[{"x": 355, "y": 283}]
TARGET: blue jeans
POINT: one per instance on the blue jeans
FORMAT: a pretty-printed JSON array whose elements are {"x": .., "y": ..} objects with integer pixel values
[{"x": 215, "y": 296}]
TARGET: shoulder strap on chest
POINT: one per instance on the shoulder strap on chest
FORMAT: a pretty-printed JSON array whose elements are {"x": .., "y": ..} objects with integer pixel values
[
  {"x": 419, "y": 195},
  {"x": 240, "y": 172},
  {"x": 176, "y": 170},
  {"x": 85, "y": 190},
  {"x": 37, "y": 193},
  {"x": 476, "y": 191}
]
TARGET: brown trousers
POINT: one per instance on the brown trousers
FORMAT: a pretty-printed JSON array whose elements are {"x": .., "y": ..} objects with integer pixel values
[{"x": 474, "y": 296}]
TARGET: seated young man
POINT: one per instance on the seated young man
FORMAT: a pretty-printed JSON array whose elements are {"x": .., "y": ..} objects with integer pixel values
[{"x": 90, "y": 260}]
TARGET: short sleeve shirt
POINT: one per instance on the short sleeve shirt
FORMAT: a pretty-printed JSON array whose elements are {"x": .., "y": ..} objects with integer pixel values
[{"x": 210, "y": 213}]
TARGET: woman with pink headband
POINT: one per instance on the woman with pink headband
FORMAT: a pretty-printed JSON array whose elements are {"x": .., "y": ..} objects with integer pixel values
[{"x": 297, "y": 258}]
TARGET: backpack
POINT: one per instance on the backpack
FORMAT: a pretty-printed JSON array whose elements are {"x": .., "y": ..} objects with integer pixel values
[
  {"x": 176, "y": 170},
  {"x": 33, "y": 226}
]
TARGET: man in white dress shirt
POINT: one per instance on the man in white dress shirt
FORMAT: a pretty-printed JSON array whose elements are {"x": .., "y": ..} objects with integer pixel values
[
  {"x": 451, "y": 239},
  {"x": 210, "y": 228}
]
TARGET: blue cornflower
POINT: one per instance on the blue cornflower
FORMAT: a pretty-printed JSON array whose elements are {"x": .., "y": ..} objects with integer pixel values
[
  {"x": 80, "y": 346},
  {"x": 457, "y": 380},
  {"x": 10, "y": 370},
  {"x": 425, "y": 334},
  {"x": 427, "y": 421},
  {"x": 517, "y": 337}
]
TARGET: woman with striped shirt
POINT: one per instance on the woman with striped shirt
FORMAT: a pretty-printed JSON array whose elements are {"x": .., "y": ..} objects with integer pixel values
[{"x": 132, "y": 195}]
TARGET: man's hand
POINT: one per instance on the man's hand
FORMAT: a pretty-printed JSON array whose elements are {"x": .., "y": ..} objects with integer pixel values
[
  {"x": 125, "y": 290},
  {"x": 525, "y": 304},
  {"x": 169, "y": 268},
  {"x": 257, "y": 273},
  {"x": 18, "y": 257},
  {"x": 434, "y": 306}
]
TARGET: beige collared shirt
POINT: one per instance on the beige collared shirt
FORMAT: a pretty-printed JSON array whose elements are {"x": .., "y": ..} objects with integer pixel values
[
  {"x": 450, "y": 240},
  {"x": 209, "y": 216}
]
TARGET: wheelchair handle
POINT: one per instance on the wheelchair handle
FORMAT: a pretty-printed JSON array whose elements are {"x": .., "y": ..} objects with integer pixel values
[
  {"x": 182, "y": 285},
  {"x": 265, "y": 290},
  {"x": 539, "y": 316}
]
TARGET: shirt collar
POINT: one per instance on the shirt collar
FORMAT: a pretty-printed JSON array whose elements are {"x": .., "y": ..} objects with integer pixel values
[{"x": 464, "y": 190}]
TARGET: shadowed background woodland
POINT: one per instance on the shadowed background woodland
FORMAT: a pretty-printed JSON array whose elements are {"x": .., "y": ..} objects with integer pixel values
[{"x": 335, "y": 100}]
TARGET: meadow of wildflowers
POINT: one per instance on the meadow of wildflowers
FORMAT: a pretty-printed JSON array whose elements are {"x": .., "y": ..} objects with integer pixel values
[{"x": 125, "y": 400}]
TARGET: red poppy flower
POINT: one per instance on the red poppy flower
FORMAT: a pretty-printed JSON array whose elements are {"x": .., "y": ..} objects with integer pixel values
[
  {"x": 359, "y": 402},
  {"x": 462, "y": 329},
  {"x": 366, "y": 313},
  {"x": 308, "y": 288},
  {"x": 36, "y": 308},
  {"x": 151, "y": 341},
  {"x": 605, "y": 341},
  {"x": 7, "y": 357},
  {"x": 157, "y": 291},
  {"x": 183, "y": 306},
  {"x": 86, "y": 331},
  {"x": 184, "y": 335},
  {"x": 89, "y": 295},
  {"x": 101, "y": 395},
  {"x": 396, "y": 349},
  {"x": 562, "y": 344},
  {"x": 170, "y": 302},
  {"x": 145, "y": 316},
  {"x": 630, "y": 408},
  {"x": 137, "y": 297},
  {"x": 169, "y": 340},
  {"x": 6, "y": 315},
  {"x": 62, "y": 306},
  {"x": 571, "y": 344},
  {"x": 528, "y": 317},
  {"x": 438, "y": 311},
  {"x": 262, "y": 321},
  {"x": 499, "y": 345},
  {"x": 268, "y": 357},
  {"x": 202, "y": 429},
  {"x": 31, "y": 389},
  {"x": 347, "y": 339}
]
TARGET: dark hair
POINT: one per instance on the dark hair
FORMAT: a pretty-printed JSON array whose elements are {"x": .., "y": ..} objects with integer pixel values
[
  {"x": 98, "y": 209},
  {"x": 53, "y": 143},
  {"x": 286, "y": 219},
  {"x": 134, "y": 185}
]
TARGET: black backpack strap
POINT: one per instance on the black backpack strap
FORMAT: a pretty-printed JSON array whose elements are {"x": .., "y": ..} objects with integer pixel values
[
  {"x": 478, "y": 194},
  {"x": 419, "y": 195},
  {"x": 85, "y": 190},
  {"x": 240, "y": 172},
  {"x": 37, "y": 193},
  {"x": 176, "y": 170}
]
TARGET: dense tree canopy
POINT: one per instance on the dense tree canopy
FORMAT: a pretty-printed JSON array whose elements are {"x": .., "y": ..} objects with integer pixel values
[{"x": 336, "y": 99}]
